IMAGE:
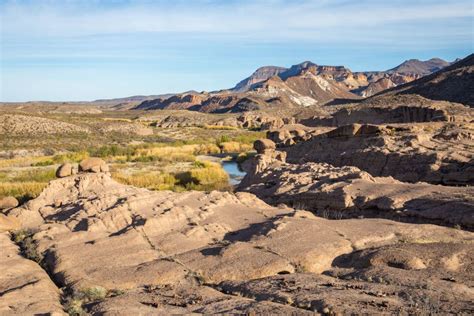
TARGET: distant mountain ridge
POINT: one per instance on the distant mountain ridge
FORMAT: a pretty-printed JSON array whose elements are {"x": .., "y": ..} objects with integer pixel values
[
  {"x": 302, "y": 85},
  {"x": 453, "y": 83},
  {"x": 361, "y": 83},
  {"x": 418, "y": 67}
]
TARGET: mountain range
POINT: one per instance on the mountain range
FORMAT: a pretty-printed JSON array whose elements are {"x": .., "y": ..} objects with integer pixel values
[{"x": 302, "y": 85}]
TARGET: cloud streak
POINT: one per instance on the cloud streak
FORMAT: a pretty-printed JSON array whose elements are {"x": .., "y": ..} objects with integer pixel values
[{"x": 256, "y": 20}]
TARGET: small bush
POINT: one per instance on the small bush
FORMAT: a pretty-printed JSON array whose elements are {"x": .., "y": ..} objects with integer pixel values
[
  {"x": 75, "y": 304},
  {"x": 205, "y": 176},
  {"x": 24, "y": 238},
  {"x": 43, "y": 163},
  {"x": 92, "y": 294},
  {"x": 74, "y": 307}
]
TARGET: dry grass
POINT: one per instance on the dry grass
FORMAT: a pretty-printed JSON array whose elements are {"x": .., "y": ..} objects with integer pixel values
[
  {"x": 152, "y": 181},
  {"x": 25, "y": 184},
  {"x": 234, "y": 147},
  {"x": 204, "y": 176},
  {"x": 22, "y": 190},
  {"x": 43, "y": 160}
]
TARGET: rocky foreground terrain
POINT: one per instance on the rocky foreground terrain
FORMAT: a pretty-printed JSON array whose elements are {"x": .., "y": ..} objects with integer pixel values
[{"x": 108, "y": 248}]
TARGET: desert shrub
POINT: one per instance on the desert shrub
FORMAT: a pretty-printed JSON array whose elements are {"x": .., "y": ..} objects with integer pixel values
[
  {"x": 74, "y": 307},
  {"x": 92, "y": 294},
  {"x": 249, "y": 138},
  {"x": 22, "y": 161},
  {"x": 234, "y": 147},
  {"x": 207, "y": 149},
  {"x": 204, "y": 176},
  {"x": 112, "y": 151},
  {"x": 34, "y": 175},
  {"x": 152, "y": 181},
  {"x": 70, "y": 157},
  {"x": 43, "y": 163},
  {"x": 24, "y": 239},
  {"x": 222, "y": 139},
  {"x": 75, "y": 303},
  {"x": 25, "y": 185},
  {"x": 172, "y": 157},
  {"x": 23, "y": 191}
]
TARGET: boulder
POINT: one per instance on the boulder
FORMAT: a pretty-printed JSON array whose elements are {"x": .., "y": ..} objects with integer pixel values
[
  {"x": 346, "y": 130},
  {"x": 64, "y": 170},
  {"x": 298, "y": 132},
  {"x": 263, "y": 146},
  {"x": 8, "y": 202},
  {"x": 95, "y": 165},
  {"x": 368, "y": 129}
]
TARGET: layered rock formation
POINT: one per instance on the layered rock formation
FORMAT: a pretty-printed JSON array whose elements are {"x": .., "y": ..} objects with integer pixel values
[
  {"x": 439, "y": 153},
  {"x": 165, "y": 252},
  {"x": 341, "y": 192},
  {"x": 261, "y": 74}
]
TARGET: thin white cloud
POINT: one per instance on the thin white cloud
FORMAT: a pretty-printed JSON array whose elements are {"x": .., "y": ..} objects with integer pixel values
[{"x": 253, "y": 20}]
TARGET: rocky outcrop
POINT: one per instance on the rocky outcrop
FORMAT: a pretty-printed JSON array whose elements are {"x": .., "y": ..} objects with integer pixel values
[
  {"x": 403, "y": 109},
  {"x": 169, "y": 252},
  {"x": 261, "y": 74},
  {"x": 349, "y": 192},
  {"x": 439, "y": 153},
  {"x": 25, "y": 288},
  {"x": 290, "y": 135},
  {"x": 263, "y": 146}
]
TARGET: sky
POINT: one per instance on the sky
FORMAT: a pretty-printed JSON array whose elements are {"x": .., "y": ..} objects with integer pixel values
[{"x": 73, "y": 50}]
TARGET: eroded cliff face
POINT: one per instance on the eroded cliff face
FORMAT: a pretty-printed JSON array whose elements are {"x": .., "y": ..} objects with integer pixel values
[
  {"x": 219, "y": 252},
  {"x": 344, "y": 192},
  {"x": 434, "y": 152}
]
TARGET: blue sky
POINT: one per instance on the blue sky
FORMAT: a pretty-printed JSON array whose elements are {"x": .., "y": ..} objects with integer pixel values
[{"x": 86, "y": 50}]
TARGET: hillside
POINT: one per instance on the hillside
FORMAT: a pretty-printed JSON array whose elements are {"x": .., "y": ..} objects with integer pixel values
[
  {"x": 418, "y": 67},
  {"x": 454, "y": 83}
]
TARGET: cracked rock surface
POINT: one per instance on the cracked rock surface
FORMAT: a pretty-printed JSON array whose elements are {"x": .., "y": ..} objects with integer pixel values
[
  {"x": 218, "y": 252},
  {"x": 25, "y": 288},
  {"x": 350, "y": 192},
  {"x": 434, "y": 152}
]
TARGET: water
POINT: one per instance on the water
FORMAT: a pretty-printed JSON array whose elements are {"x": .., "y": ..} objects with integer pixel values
[{"x": 233, "y": 170}]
